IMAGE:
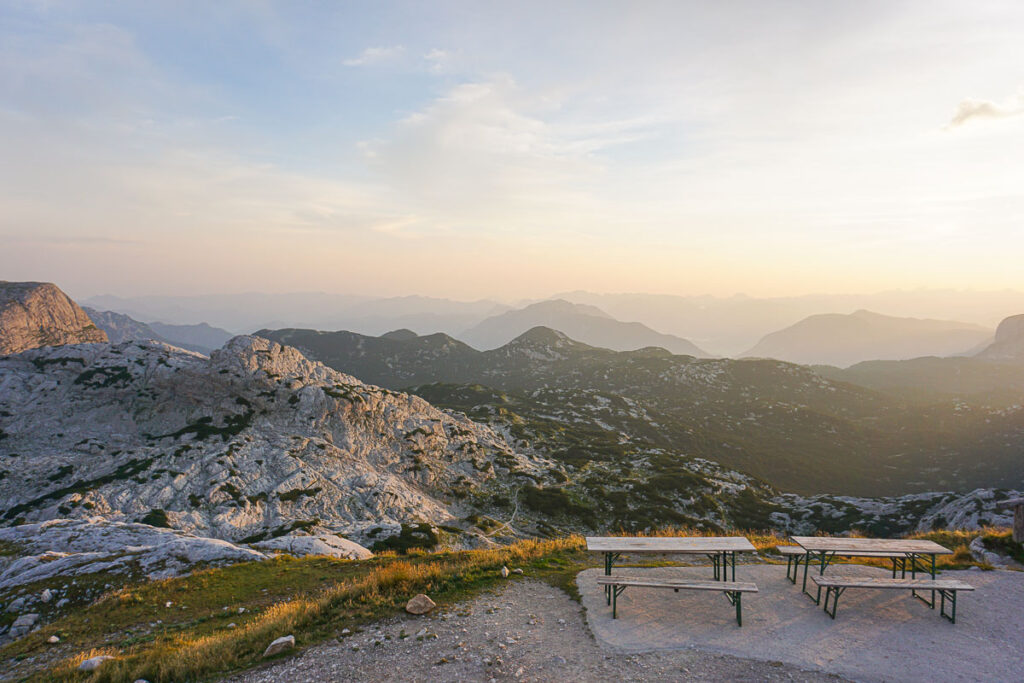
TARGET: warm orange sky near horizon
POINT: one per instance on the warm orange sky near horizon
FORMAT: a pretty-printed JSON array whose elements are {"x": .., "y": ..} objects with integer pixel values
[{"x": 472, "y": 151}]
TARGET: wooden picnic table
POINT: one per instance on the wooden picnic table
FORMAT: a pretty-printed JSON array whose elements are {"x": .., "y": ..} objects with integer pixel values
[
  {"x": 913, "y": 554},
  {"x": 721, "y": 549}
]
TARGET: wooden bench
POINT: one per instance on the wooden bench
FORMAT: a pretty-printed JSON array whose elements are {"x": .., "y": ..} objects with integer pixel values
[
  {"x": 732, "y": 589},
  {"x": 947, "y": 588},
  {"x": 794, "y": 554}
]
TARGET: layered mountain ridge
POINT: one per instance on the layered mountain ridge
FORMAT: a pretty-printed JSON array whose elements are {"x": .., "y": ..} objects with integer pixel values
[
  {"x": 586, "y": 324},
  {"x": 781, "y": 422}
]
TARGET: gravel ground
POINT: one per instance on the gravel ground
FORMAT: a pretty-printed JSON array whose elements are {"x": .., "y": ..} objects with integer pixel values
[{"x": 524, "y": 631}]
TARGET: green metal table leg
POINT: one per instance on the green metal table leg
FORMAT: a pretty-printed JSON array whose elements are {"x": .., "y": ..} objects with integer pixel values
[
  {"x": 914, "y": 558},
  {"x": 824, "y": 559}
]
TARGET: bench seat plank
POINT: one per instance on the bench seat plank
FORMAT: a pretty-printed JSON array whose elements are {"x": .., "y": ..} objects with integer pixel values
[
  {"x": 680, "y": 584},
  {"x": 797, "y": 550},
  {"x": 879, "y": 582}
]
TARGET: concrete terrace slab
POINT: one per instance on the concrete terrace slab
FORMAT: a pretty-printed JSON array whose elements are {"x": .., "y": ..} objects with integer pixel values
[{"x": 876, "y": 636}]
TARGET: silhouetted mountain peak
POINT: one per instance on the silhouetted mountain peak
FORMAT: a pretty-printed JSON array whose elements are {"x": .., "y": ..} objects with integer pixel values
[
  {"x": 403, "y": 334},
  {"x": 563, "y": 307}
]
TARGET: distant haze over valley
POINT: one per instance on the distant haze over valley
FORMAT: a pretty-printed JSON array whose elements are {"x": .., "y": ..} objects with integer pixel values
[{"x": 718, "y": 326}]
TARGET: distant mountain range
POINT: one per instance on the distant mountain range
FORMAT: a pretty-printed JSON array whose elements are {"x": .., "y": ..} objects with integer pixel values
[
  {"x": 781, "y": 422},
  {"x": 842, "y": 340},
  {"x": 732, "y": 325},
  {"x": 583, "y": 323},
  {"x": 119, "y": 327},
  {"x": 243, "y": 313}
]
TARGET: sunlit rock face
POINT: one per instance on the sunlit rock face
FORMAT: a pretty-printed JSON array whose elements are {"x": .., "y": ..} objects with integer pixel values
[
  {"x": 252, "y": 443},
  {"x": 34, "y": 314},
  {"x": 1009, "y": 341}
]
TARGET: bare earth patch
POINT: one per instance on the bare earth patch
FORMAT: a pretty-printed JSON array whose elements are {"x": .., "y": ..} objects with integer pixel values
[{"x": 526, "y": 631}]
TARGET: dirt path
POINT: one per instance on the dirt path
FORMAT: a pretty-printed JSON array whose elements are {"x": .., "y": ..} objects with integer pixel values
[{"x": 524, "y": 631}]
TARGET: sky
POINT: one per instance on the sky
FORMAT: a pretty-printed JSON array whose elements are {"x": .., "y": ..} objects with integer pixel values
[{"x": 511, "y": 150}]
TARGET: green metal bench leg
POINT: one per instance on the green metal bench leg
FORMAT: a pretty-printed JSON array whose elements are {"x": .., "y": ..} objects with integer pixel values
[
  {"x": 832, "y": 592},
  {"x": 949, "y": 595},
  {"x": 736, "y": 598},
  {"x": 616, "y": 592}
]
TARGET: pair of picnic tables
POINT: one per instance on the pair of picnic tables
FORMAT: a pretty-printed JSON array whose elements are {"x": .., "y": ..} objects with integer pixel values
[{"x": 913, "y": 556}]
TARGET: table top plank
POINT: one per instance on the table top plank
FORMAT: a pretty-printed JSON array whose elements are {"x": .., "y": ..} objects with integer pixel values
[
  {"x": 851, "y": 546},
  {"x": 669, "y": 544},
  {"x": 682, "y": 584},
  {"x": 878, "y": 582}
]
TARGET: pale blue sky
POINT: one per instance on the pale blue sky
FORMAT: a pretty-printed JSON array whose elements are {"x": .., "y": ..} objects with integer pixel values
[{"x": 473, "y": 149}]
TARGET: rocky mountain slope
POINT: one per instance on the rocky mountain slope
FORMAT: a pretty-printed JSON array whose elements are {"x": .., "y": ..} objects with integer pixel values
[
  {"x": 586, "y": 324},
  {"x": 120, "y": 328},
  {"x": 1009, "y": 342},
  {"x": 249, "y": 444},
  {"x": 780, "y": 422},
  {"x": 842, "y": 340},
  {"x": 34, "y": 314}
]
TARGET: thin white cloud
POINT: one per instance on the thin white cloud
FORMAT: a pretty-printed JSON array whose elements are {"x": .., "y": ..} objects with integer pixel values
[
  {"x": 375, "y": 55},
  {"x": 983, "y": 109},
  {"x": 438, "y": 60}
]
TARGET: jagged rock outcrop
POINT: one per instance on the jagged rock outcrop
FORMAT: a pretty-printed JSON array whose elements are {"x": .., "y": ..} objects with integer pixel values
[
  {"x": 73, "y": 547},
  {"x": 915, "y": 512},
  {"x": 249, "y": 444},
  {"x": 1009, "y": 341},
  {"x": 34, "y": 314}
]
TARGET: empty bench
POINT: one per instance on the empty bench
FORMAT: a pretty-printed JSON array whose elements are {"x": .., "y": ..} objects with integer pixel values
[
  {"x": 794, "y": 555},
  {"x": 733, "y": 590},
  {"x": 946, "y": 588}
]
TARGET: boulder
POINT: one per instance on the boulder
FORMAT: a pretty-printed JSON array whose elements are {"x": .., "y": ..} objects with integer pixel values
[
  {"x": 93, "y": 663},
  {"x": 321, "y": 544},
  {"x": 282, "y": 644},
  {"x": 23, "y": 625},
  {"x": 53, "y": 640},
  {"x": 421, "y": 604}
]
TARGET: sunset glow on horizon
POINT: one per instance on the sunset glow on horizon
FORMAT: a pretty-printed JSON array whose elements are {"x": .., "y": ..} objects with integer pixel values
[{"x": 512, "y": 151}]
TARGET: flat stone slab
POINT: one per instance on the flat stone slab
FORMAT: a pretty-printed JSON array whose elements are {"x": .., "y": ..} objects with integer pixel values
[{"x": 878, "y": 636}]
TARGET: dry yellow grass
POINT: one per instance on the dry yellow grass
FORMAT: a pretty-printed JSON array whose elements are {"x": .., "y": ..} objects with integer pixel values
[{"x": 384, "y": 587}]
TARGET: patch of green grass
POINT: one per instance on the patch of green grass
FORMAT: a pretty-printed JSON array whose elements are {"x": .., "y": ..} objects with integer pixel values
[
  {"x": 156, "y": 517},
  {"x": 295, "y": 494},
  {"x": 120, "y": 473},
  {"x": 412, "y": 536}
]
